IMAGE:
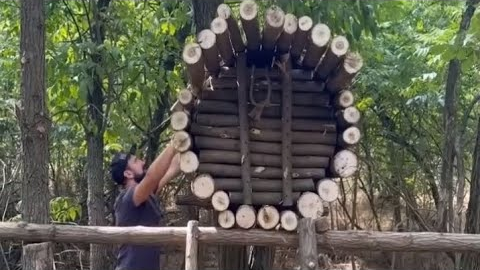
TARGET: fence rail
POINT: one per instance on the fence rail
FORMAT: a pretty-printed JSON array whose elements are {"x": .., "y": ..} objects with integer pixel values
[{"x": 328, "y": 241}]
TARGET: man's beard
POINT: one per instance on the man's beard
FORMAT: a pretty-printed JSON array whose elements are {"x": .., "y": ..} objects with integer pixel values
[{"x": 139, "y": 178}]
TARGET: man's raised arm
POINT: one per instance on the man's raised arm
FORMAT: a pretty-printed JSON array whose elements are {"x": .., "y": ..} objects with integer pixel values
[{"x": 154, "y": 174}]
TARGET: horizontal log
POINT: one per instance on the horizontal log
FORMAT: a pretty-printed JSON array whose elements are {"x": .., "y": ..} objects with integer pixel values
[
  {"x": 225, "y": 107},
  {"x": 274, "y": 20},
  {"x": 298, "y": 124},
  {"x": 337, "y": 49},
  {"x": 249, "y": 20},
  {"x": 224, "y": 11},
  {"x": 349, "y": 137},
  {"x": 226, "y": 219},
  {"x": 219, "y": 26},
  {"x": 348, "y": 117},
  {"x": 344, "y": 99},
  {"x": 273, "y": 74},
  {"x": 318, "y": 41},
  {"x": 245, "y": 217},
  {"x": 195, "y": 61},
  {"x": 185, "y": 97},
  {"x": 268, "y": 217},
  {"x": 182, "y": 141},
  {"x": 289, "y": 28},
  {"x": 208, "y": 42},
  {"x": 180, "y": 120},
  {"x": 261, "y": 198},
  {"x": 191, "y": 199},
  {"x": 222, "y": 170},
  {"x": 234, "y": 157},
  {"x": 343, "y": 76},
  {"x": 216, "y": 84},
  {"x": 263, "y": 147},
  {"x": 259, "y": 185},
  {"x": 305, "y": 24},
  {"x": 344, "y": 164},
  {"x": 350, "y": 240},
  {"x": 264, "y": 135}
]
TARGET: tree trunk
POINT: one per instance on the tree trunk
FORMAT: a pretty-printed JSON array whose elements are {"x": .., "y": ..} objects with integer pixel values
[
  {"x": 445, "y": 206},
  {"x": 204, "y": 12},
  {"x": 33, "y": 114},
  {"x": 35, "y": 127},
  {"x": 94, "y": 136},
  {"x": 155, "y": 129},
  {"x": 395, "y": 191},
  {"x": 472, "y": 225}
]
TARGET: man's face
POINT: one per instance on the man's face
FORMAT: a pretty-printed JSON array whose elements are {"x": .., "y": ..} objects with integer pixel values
[{"x": 136, "y": 166}]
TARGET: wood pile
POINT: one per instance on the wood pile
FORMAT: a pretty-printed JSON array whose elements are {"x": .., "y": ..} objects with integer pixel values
[{"x": 267, "y": 125}]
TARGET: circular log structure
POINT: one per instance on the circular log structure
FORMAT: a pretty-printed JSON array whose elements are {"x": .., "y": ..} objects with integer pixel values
[{"x": 267, "y": 126}]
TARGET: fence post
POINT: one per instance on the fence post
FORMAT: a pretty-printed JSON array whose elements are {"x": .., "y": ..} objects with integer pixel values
[
  {"x": 191, "y": 246},
  {"x": 38, "y": 256},
  {"x": 307, "y": 246}
]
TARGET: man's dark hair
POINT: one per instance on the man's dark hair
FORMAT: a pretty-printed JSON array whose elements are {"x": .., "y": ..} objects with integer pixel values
[{"x": 118, "y": 166}]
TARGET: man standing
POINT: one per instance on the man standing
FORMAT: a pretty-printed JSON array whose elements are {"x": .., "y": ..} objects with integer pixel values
[{"x": 136, "y": 205}]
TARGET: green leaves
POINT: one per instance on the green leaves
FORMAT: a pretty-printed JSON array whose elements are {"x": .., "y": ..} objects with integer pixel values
[{"x": 64, "y": 209}]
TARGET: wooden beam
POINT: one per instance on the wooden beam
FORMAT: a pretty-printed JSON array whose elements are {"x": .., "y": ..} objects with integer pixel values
[
  {"x": 286, "y": 132},
  {"x": 329, "y": 241},
  {"x": 307, "y": 259},
  {"x": 243, "y": 83}
]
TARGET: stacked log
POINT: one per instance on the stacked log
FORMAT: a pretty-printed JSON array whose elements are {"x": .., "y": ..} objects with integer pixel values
[{"x": 267, "y": 127}]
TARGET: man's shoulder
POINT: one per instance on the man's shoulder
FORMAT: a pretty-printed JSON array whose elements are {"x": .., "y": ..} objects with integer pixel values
[{"x": 125, "y": 196}]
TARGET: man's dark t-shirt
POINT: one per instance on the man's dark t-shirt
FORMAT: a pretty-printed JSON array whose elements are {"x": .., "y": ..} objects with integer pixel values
[{"x": 136, "y": 257}]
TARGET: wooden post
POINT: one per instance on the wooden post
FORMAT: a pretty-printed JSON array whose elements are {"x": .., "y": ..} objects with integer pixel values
[
  {"x": 286, "y": 132},
  {"x": 307, "y": 245},
  {"x": 37, "y": 256},
  {"x": 191, "y": 246},
  {"x": 242, "y": 78}
]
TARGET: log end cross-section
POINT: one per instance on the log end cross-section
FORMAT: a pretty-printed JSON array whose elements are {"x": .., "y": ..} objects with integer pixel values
[{"x": 226, "y": 219}]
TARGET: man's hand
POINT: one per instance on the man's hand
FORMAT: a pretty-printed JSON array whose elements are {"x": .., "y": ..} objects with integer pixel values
[
  {"x": 157, "y": 172},
  {"x": 172, "y": 172},
  {"x": 174, "y": 168}
]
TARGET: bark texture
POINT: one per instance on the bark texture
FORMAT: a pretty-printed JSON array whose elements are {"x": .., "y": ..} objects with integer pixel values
[
  {"x": 35, "y": 126},
  {"x": 94, "y": 137},
  {"x": 204, "y": 12},
  {"x": 33, "y": 114}
]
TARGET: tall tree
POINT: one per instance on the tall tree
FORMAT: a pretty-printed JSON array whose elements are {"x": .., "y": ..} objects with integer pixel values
[
  {"x": 472, "y": 260},
  {"x": 94, "y": 133},
  {"x": 445, "y": 206},
  {"x": 34, "y": 126}
]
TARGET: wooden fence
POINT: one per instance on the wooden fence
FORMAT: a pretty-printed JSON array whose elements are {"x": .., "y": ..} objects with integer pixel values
[{"x": 328, "y": 241}]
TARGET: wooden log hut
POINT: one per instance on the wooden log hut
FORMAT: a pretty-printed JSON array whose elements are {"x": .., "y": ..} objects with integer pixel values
[{"x": 267, "y": 126}]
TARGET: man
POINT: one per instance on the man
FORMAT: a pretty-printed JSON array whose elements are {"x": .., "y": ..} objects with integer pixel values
[{"x": 136, "y": 205}]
